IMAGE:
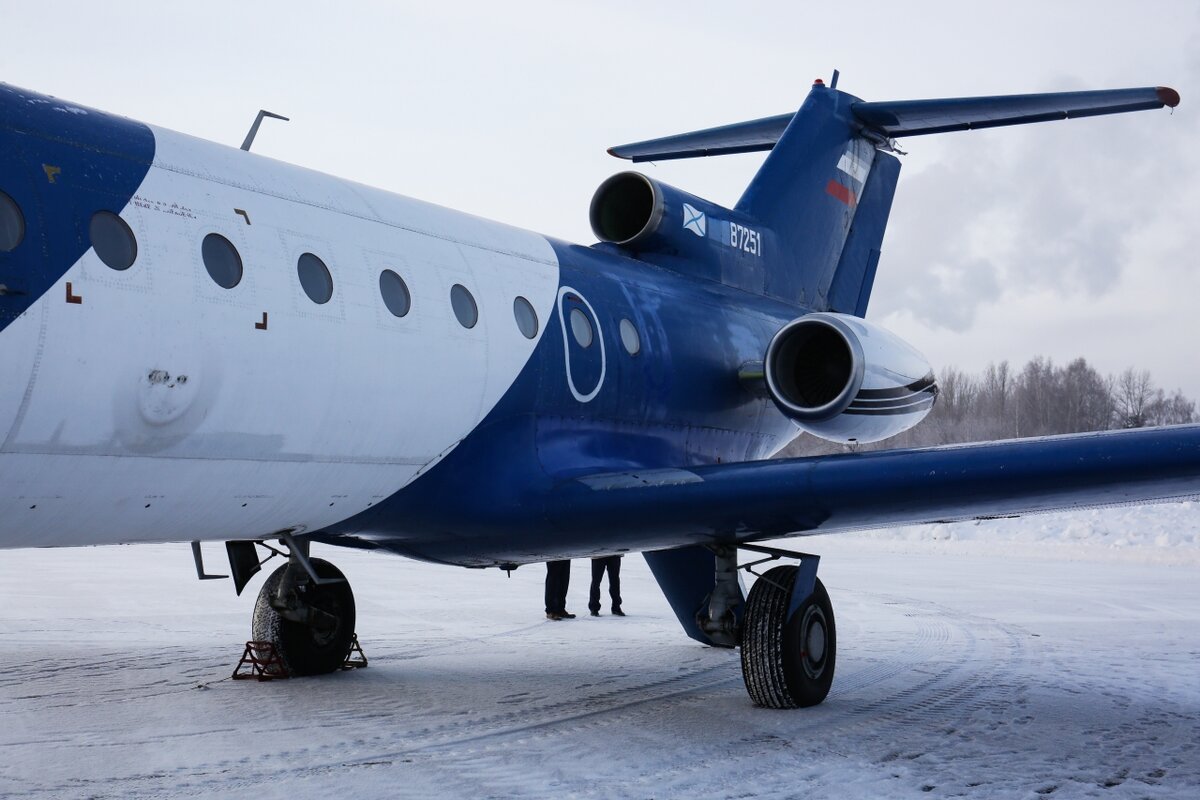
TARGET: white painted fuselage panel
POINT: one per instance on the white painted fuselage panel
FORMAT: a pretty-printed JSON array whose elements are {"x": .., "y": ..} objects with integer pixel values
[{"x": 164, "y": 407}]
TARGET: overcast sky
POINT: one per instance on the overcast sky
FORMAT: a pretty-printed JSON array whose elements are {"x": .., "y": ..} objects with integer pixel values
[{"x": 1062, "y": 239}]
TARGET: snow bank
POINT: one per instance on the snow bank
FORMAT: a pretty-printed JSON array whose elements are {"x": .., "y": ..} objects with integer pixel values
[{"x": 1168, "y": 533}]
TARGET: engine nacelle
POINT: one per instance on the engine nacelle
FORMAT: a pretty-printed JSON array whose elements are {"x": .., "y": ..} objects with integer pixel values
[
  {"x": 843, "y": 379},
  {"x": 643, "y": 215}
]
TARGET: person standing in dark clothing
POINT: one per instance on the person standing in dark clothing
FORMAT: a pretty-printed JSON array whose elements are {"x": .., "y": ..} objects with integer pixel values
[
  {"x": 613, "y": 565},
  {"x": 558, "y": 577}
]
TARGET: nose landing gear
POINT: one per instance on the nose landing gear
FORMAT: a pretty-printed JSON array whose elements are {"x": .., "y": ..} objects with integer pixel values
[
  {"x": 311, "y": 624},
  {"x": 305, "y": 608}
]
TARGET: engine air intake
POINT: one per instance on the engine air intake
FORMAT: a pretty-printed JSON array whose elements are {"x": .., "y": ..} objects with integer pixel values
[
  {"x": 847, "y": 380},
  {"x": 626, "y": 208},
  {"x": 812, "y": 369},
  {"x": 815, "y": 365}
]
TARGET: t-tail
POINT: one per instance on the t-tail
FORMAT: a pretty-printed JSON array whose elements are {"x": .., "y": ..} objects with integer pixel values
[{"x": 809, "y": 227}]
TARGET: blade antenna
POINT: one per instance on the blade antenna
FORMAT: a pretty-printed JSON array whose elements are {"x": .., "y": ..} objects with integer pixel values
[{"x": 254, "y": 128}]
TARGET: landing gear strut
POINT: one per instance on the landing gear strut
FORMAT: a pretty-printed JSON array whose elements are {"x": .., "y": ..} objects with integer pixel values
[
  {"x": 306, "y": 608},
  {"x": 788, "y": 637}
]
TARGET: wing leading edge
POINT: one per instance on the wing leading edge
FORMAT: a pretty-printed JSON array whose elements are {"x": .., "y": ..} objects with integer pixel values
[
  {"x": 894, "y": 118},
  {"x": 763, "y": 499}
]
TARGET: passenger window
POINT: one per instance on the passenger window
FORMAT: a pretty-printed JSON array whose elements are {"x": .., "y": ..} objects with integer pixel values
[
  {"x": 12, "y": 224},
  {"x": 527, "y": 320},
  {"x": 630, "y": 338},
  {"x": 395, "y": 293},
  {"x": 112, "y": 240},
  {"x": 581, "y": 328},
  {"x": 222, "y": 261},
  {"x": 315, "y": 278},
  {"x": 464, "y": 306}
]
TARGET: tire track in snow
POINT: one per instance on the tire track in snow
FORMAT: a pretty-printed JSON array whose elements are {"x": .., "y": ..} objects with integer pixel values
[
  {"x": 476, "y": 745},
  {"x": 443, "y": 731},
  {"x": 918, "y": 677},
  {"x": 480, "y": 766}
]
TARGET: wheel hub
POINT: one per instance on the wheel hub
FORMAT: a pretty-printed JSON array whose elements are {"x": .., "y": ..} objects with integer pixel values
[{"x": 812, "y": 641}]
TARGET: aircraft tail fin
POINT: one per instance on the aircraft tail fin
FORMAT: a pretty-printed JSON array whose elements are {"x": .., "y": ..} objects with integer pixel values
[
  {"x": 808, "y": 194},
  {"x": 825, "y": 191}
]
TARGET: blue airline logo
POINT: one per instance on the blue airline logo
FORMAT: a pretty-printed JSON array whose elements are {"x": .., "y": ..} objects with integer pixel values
[{"x": 694, "y": 221}]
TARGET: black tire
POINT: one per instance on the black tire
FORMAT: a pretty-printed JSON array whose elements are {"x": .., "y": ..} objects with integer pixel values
[
  {"x": 787, "y": 663},
  {"x": 309, "y": 649}
]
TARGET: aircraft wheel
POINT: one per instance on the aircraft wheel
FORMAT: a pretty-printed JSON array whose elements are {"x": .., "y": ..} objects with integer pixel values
[
  {"x": 319, "y": 641},
  {"x": 787, "y": 663}
]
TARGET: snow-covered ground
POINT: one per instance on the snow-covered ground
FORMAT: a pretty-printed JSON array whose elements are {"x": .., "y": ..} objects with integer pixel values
[{"x": 1052, "y": 657}]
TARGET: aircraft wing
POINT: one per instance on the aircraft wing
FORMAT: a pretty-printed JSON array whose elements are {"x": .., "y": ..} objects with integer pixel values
[
  {"x": 893, "y": 118},
  {"x": 763, "y": 499}
]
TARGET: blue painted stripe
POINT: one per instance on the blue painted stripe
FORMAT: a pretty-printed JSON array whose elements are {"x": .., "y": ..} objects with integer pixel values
[{"x": 61, "y": 163}]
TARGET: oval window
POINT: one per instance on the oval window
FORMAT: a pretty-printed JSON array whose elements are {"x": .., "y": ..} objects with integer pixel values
[
  {"x": 315, "y": 278},
  {"x": 464, "y": 306},
  {"x": 581, "y": 328},
  {"x": 112, "y": 240},
  {"x": 12, "y": 224},
  {"x": 630, "y": 338},
  {"x": 527, "y": 320},
  {"x": 395, "y": 293},
  {"x": 222, "y": 261}
]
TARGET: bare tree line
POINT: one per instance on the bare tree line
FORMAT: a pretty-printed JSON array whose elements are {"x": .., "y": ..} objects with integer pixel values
[{"x": 1040, "y": 400}]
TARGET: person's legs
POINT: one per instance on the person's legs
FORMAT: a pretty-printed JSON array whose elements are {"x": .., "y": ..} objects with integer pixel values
[
  {"x": 614, "y": 582},
  {"x": 551, "y": 589},
  {"x": 558, "y": 576},
  {"x": 594, "y": 592}
]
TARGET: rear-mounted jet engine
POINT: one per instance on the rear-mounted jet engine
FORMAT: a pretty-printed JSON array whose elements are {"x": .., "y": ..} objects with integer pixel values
[
  {"x": 843, "y": 379},
  {"x": 646, "y": 217}
]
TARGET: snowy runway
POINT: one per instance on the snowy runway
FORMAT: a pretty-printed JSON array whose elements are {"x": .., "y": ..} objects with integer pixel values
[{"x": 991, "y": 666}]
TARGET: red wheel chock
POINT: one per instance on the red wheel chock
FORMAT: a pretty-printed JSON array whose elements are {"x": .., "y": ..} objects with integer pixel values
[
  {"x": 263, "y": 662},
  {"x": 355, "y": 657}
]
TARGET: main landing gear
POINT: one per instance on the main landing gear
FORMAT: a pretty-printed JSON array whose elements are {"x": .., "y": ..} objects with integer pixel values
[{"x": 786, "y": 632}]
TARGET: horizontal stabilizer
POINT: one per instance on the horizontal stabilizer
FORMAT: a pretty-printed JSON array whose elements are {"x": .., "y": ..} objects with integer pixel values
[
  {"x": 741, "y": 137},
  {"x": 909, "y": 118},
  {"x": 918, "y": 117}
]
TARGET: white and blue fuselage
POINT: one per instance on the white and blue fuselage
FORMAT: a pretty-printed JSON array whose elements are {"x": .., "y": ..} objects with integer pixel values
[
  {"x": 153, "y": 404},
  {"x": 198, "y": 343}
]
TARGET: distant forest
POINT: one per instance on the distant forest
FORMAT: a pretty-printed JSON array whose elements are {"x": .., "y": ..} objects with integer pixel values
[{"x": 1039, "y": 400}]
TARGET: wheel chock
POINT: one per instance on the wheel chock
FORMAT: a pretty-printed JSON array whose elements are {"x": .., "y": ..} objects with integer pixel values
[
  {"x": 262, "y": 661},
  {"x": 355, "y": 658}
]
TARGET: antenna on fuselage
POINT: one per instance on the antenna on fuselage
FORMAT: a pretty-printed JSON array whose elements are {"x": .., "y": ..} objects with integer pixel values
[
  {"x": 254, "y": 128},
  {"x": 833, "y": 79}
]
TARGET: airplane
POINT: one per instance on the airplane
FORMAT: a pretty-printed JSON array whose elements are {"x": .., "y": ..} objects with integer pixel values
[{"x": 202, "y": 344}]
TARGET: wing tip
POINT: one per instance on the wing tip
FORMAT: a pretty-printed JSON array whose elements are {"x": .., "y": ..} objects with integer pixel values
[
  {"x": 1168, "y": 96},
  {"x": 615, "y": 152}
]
